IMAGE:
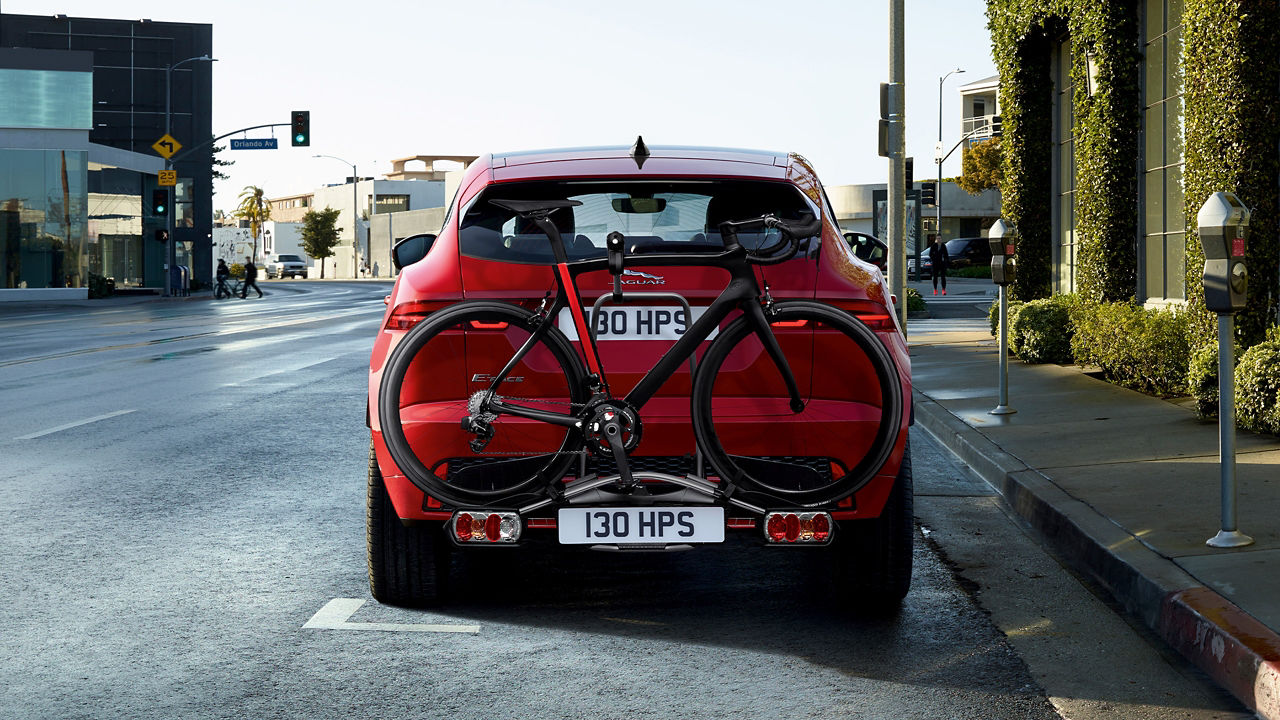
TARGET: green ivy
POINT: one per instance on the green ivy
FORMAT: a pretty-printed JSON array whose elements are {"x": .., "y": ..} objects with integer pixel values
[
  {"x": 1232, "y": 131},
  {"x": 1231, "y": 127},
  {"x": 1106, "y": 128}
]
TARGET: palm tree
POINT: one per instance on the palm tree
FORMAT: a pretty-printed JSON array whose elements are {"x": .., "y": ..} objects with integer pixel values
[{"x": 254, "y": 208}]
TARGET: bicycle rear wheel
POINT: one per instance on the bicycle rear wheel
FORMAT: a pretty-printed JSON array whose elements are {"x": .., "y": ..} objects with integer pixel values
[
  {"x": 846, "y": 430},
  {"x": 426, "y": 389}
]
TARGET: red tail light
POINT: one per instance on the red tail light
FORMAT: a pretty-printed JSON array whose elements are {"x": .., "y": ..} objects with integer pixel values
[
  {"x": 804, "y": 528},
  {"x": 790, "y": 323},
  {"x": 408, "y": 314},
  {"x": 877, "y": 323},
  {"x": 488, "y": 326}
]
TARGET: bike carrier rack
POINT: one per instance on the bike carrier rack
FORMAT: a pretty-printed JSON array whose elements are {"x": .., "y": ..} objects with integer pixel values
[
  {"x": 591, "y": 489},
  {"x": 596, "y": 489},
  {"x": 699, "y": 467}
]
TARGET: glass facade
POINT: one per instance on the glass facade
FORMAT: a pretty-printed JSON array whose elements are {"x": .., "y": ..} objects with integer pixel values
[
  {"x": 1064, "y": 161},
  {"x": 46, "y": 99},
  {"x": 119, "y": 227},
  {"x": 44, "y": 239},
  {"x": 1163, "y": 258}
]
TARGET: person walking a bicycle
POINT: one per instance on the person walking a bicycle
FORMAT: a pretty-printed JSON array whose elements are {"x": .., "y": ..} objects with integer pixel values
[
  {"x": 222, "y": 275},
  {"x": 250, "y": 278}
]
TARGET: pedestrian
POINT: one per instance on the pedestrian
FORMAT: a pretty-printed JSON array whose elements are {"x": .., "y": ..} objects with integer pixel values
[
  {"x": 940, "y": 259},
  {"x": 250, "y": 278},
  {"x": 222, "y": 274}
]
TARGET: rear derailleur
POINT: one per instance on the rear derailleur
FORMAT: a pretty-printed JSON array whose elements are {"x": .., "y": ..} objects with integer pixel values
[{"x": 479, "y": 420}]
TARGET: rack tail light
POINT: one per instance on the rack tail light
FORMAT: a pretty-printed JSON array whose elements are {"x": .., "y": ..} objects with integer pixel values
[
  {"x": 802, "y": 528},
  {"x": 481, "y": 527}
]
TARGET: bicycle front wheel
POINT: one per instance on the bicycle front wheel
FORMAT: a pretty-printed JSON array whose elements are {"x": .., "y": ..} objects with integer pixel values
[
  {"x": 841, "y": 437},
  {"x": 430, "y": 383}
]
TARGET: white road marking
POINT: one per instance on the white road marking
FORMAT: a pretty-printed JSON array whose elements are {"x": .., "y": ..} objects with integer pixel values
[
  {"x": 68, "y": 426},
  {"x": 334, "y": 616}
]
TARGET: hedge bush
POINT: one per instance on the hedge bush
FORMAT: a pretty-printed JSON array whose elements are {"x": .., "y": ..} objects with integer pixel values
[
  {"x": 1144, "y": 349},
  {"x": 1257, "y": 386},
  {"x": 1043, "y": 330},
  {"x": 1202, "y": 380},
  {"x": 993, "y": 319},
  {"x": 915, "y": 303}
]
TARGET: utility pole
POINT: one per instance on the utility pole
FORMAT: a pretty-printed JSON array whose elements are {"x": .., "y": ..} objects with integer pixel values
[
  {"x": 897, "y": 199},
  {"x": 937, "y": 193}
]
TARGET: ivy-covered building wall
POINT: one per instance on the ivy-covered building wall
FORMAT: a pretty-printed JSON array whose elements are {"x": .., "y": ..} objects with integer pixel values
[{"x": 1120, "y": 118}]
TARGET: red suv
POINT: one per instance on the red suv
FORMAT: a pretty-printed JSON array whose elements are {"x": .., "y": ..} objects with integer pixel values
[{"x": 638, "y": 349}]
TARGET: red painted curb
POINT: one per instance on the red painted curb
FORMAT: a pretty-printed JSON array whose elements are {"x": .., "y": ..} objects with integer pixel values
[{"x": 1238, "y": 652}]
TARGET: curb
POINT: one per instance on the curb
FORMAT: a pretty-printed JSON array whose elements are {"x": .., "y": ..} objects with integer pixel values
[{"x": 1239, "y": 653}]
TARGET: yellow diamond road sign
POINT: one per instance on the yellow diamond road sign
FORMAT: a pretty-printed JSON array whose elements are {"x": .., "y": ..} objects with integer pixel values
[
  {"x": 168, "y": 178},
  {"x": 166, "y": 146}
]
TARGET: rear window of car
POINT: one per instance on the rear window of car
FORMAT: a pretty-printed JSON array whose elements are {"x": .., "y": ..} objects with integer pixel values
[
  {"x": 655, "y": 216},
  {"x": 290, "y": 258}
]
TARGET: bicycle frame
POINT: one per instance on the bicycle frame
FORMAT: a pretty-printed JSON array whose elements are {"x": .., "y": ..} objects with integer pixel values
[{"x": 742, "y": 292}]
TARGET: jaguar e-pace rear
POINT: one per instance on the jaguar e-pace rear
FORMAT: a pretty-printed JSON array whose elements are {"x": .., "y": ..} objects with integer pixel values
[{"x": 542, "y": 372}]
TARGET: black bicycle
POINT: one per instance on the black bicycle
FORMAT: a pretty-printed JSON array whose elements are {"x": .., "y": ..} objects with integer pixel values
[
  {"x": 222, "y": 291},
  {"x": 513, "y": 443}
]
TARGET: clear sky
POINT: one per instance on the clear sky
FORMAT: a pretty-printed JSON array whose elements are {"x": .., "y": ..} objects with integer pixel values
[{"x": 394, "y": 78}]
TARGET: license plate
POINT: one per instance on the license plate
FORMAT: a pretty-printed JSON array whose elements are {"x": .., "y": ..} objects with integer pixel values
[
  {"x": 633, "y": 322},
  {"x": 635, "y": 526}
]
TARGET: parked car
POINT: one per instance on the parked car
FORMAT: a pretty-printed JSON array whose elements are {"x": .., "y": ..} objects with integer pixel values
[
  {"x": 969, "y": 252},
  {"x": 280, "y": 266},
  {"x": 961, "y": 252},
  {"x": 869, "y": 248},
  {"x": 501, "y": 411}
]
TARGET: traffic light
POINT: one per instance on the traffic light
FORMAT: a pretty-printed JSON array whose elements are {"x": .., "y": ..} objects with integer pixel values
[
  {"x": 160, "y": 202},
  {"x": 162, "y": 235},
  {"x": 301, "y": 124},
  {"x": 910, "y": 170},
  {"x": 928, "y": 193}
]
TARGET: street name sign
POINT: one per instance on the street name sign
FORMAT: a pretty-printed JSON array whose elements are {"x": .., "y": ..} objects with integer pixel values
[
  {"x": 166, "y": 146},
  {"x": 253, "y": 144}
]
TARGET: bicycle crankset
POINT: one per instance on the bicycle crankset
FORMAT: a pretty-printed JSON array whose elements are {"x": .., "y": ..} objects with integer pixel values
[{"x": 614, "y": 430}]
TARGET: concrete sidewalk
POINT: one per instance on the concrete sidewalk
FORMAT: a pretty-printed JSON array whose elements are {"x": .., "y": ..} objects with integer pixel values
[{"x": 1125, "y": 487}]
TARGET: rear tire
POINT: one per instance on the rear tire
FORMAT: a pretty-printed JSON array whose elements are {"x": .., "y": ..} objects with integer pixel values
[
  {"x": 408, "y": 565},
  {"x": 872, "y": 558}
]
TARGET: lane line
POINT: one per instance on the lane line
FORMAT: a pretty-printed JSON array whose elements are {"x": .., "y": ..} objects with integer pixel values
[
  {"x": 78, "y": 423},
  {"x": 336, "y": 613}
]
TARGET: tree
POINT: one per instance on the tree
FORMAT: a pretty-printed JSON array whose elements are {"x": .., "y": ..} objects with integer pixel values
[
  {"x": 983, "y": 166},
  {"x": 218, "y": 162},
  {"x": 320, "y": 234},
  {"x": 254, "y": 208}
]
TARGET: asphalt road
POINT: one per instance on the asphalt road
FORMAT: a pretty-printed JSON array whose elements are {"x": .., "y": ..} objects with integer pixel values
[{"x": 182, "y": 502}]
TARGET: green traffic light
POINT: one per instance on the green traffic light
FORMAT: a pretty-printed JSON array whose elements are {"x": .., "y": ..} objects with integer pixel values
[{"x": 299, "y": 138}]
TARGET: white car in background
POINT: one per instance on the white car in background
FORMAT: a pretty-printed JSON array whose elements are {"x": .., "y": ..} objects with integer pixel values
[{"x": 280, "y": 266}]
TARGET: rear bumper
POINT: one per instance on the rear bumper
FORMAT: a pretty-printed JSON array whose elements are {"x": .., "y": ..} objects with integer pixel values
[{"x": 596, "y": 488}]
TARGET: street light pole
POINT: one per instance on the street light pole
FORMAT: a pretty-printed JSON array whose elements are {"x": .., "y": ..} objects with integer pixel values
[
  {"x": 355, "y": 210},
  {"x": 168, "y": 165},
  {"x": 937, "y": 193}
]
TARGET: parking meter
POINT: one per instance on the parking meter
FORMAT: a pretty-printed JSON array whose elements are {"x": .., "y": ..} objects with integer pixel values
[
  {"x": 1000, "y": 239},
  {"x": 1003, "y": 266},
  {"x": 1224, "y": 228}
]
